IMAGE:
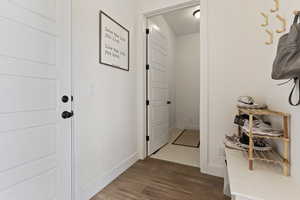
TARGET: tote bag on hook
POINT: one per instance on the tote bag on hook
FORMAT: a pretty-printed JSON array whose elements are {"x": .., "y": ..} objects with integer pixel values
[{"x": 287, "y": 62}]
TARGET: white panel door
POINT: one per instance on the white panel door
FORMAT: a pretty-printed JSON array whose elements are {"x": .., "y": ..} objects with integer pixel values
[
  {"x": 158, "y": 109},
  {"x": 35, "y": 142}
]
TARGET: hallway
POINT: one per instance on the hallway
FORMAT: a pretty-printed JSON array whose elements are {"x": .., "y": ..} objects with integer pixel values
[
  {"x": 180, "y": 154},
  {"x": 154, "y": 179}
]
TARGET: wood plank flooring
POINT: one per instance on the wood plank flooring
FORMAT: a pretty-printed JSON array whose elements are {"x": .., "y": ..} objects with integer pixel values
[{"x": 154, "y": 179}]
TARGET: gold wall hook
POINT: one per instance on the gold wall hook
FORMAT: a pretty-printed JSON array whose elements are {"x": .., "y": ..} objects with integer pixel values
[
  {"x": 297, "y": 12},
  {"x": 276, "y": 6},
  {"x": 266, "y": 19},
  {"x": 284, "y": 23},
  {"x": 271, "y": 37}
]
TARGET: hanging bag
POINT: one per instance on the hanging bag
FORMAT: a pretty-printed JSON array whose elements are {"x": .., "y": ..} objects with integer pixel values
[{"x": 287, "y": 62}]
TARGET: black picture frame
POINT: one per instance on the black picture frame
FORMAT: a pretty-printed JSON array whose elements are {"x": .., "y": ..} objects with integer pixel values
[{"x": 101, "y": 15}]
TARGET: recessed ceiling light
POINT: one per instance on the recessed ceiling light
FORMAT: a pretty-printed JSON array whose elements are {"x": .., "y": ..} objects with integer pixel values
[
  {"x": 155, "y": 27},
  {"x": 196, "y": 13}
]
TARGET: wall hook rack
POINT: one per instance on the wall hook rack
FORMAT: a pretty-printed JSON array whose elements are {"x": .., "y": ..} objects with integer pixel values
[
  {"x": 271, "y": 37},
  {"x": 284, "y": 23},
  {"x": 266, "y": 19},
  {"x": 276, "y": 6}
]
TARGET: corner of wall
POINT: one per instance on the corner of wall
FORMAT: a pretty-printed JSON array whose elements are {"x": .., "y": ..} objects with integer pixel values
[{"x": 213, "y": 170}]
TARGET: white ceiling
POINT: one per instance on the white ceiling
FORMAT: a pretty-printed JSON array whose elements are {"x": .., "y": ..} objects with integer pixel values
[{"x": 182, "y": 21}]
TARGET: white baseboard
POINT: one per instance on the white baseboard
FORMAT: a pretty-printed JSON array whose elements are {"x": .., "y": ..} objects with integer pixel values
[{"x": 103, "y": 181}]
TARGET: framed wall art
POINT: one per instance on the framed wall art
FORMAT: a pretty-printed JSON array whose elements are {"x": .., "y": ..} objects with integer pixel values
[{"x": 114, "y": 43}]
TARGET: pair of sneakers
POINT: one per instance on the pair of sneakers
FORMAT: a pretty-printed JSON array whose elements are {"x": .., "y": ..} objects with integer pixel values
[
  {"x": 260, "y": 144},
  {"x": 261, "y": 128},
  {"x": 242, "y": 143}
]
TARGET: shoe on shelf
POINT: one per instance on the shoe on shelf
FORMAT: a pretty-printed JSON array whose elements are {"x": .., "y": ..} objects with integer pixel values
[
  {"x": 240, "y": 119},
  {"x": 232, "y": 142},
  {"x": 241, "y": 143},
  {"x": 262, "y": 128},
  {"x": 248, "y": 102},
  {"x": 260, "y": 144}
]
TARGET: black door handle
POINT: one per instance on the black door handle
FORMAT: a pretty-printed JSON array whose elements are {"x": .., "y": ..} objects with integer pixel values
[
  {"x": 65, "y": 99},
  {"x": 67, "y": 114},
  {"x": 169, "y": 102}
]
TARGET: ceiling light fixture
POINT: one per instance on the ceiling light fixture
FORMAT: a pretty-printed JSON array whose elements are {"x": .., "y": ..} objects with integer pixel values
[
  {"x": 196, "y": 13},
  {"x": 155, "y": 27}
]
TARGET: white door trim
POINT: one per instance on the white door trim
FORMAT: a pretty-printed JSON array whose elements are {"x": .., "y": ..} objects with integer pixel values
[
  {"x": 205, "y": 162},
  {"x": 65, "y": 56},
  {"x": 66, "y": 151},
  {"x": 204, "y": 89},
  {"x": 204, "y": 82}
]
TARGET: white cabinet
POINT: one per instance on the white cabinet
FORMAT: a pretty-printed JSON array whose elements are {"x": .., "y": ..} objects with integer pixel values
[{"x": 265, "y": 182}]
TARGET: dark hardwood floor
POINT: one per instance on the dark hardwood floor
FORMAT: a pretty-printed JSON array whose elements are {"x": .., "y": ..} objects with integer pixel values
[{"x": 153, "y": 179}]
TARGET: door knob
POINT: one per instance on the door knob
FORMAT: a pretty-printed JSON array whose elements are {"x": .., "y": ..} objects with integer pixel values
[
  {"x": 65, "y": 99},
  {"x": 67, "y": 114},
  {"x": 169, "y": 102}
]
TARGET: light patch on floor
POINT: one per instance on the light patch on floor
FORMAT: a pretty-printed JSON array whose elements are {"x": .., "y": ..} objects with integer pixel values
[{"x": 179, "y": 154}]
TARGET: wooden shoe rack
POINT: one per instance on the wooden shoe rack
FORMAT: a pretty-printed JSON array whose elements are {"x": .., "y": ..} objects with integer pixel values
[{"x": 268, "y": 156}]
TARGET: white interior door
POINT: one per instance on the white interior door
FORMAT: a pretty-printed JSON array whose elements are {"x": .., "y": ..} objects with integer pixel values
[
  {"x": 35, "y": 142},
  {"x": 158, "y": 114}
]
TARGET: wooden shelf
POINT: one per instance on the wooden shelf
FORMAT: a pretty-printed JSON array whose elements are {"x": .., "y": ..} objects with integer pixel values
[
  {"x": 262, "y": 112},
  {"x": 270, "y": 156}
]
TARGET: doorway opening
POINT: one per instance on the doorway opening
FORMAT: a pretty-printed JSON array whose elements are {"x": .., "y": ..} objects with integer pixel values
[{"x": 173, "y": 86}]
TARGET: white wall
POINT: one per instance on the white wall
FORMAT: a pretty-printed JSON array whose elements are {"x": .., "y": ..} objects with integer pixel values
[
  {"x": 277, "y": 97},
  {"x": 234, "y": 69},
  {"x": 171, "y": 40},
  {"x": 105, "y": 99},
  {"x": 240, "y": 64},
  {"x": 187, "y": 81}
]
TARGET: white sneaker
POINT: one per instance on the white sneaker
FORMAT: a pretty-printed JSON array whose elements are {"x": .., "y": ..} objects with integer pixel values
[
  {"x": 249, "y": 103},
  {"x": 246, "y": 100},
  {"x": 232, "y": 142},
  {"x": 252, "y": 106},
  {"x": 261, "y": 128}
]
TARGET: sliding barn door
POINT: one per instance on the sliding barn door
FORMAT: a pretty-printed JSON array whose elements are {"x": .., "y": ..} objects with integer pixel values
[
  {"x": 158, "y": 109},
  {"x": 35, "y": 142}
]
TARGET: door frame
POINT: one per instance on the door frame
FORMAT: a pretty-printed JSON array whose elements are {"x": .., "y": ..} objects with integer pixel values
[
  {"x": 67, "y": 143},
  {"x": 204, "y": 82}
]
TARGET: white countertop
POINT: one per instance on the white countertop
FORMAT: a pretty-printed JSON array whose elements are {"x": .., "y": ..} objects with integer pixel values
[{"x": 265, "y": 182}]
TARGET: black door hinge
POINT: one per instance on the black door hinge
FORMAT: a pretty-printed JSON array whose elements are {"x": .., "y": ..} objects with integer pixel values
[
  {"x": 147, "y": 138},
  {"x": 147, "y": 67},
  {"x": 147, "y": 31},
  {"x": 147, "y": 102}
]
